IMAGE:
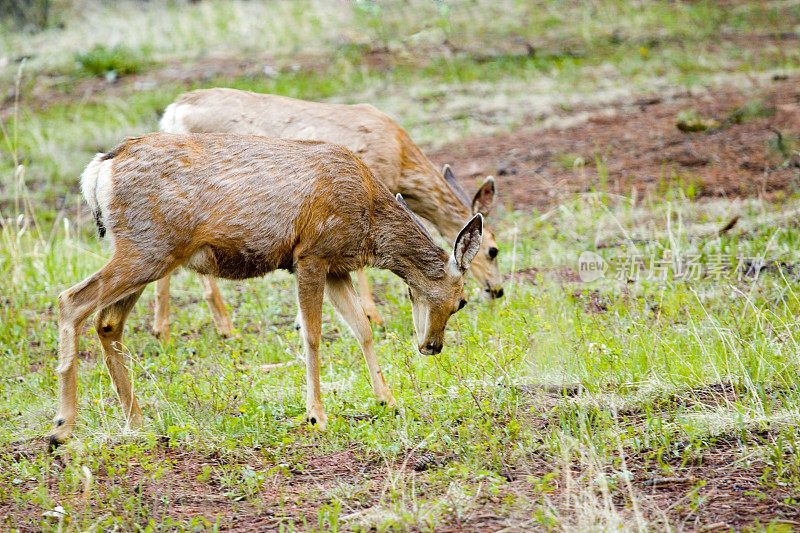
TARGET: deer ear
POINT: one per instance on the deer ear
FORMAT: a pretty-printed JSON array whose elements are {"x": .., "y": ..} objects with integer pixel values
[
  {"x": 467, "y": 244},
  {"x": 483, "y": 202},
  {"x": 399, "y": 198},
  {"x": 447, "y": 172},
  {"x": 462, "y": 196}
]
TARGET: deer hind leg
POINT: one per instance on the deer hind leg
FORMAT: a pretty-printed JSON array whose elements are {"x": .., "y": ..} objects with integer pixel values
[
  {"x": 109, "y": 324},
  {"x": 311, "y": 274},
  {"x": 114, "y": 281},
  {"x": 343, "y": 297},
  {"x": 370, "y": 309},
  {"x": 161, "y": 316},
  {"x": 217, "y": 305}
]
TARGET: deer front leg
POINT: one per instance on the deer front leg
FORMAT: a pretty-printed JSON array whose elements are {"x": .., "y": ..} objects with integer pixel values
[
  {"x": 343, "y": 297},
  {"x": 109, "y": 324},
  {"x": 161, "y": 315},
  {"x": 368, "y": 303},
  {"x": 217, "y": 305},
  {"x": 311, "y": 273}
]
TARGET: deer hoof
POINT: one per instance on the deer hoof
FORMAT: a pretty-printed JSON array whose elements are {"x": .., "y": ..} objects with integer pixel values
[
  {"x": 319, "y": 420},
  {"x": 61, "y": 431},
  {"x": 161, "y": 334},
  {"x": 387, "y": 400},
  {"x": 374, "y": 316},
  {"x": 133, "y": 426},
  {"x": 53, "y": 443},
  {"x": 390, "y": 407}
]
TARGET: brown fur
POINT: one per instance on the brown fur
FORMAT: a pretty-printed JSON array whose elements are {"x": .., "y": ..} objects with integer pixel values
[{"x": 237, "y": 207}]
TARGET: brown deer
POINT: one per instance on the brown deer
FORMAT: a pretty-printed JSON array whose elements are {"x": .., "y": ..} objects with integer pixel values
[
  {"x": 237, "y": 207},
  {"x": 373, "y": 136}
]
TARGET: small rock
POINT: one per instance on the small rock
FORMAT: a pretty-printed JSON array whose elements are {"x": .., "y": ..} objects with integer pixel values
[
  {"x": 270, "y": 72},
  {"x": 148, "y": 85},
  {"x": 57, "y": 512},
  {"x": 689, "y": 121}
]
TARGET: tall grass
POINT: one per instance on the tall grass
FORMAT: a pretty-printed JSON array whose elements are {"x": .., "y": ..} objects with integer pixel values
[{"x": 543, "y": 404}]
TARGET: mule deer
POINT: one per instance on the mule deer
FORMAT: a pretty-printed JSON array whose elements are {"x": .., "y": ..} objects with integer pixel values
[
  {"x": 238, "y": 207},
  {"x": 373, "y": 136}
]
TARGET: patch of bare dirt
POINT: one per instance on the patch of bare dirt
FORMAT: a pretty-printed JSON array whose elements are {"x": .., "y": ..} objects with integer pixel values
[
  {"x": 723, "y": 394},
  {"x": 594, "y": 302},
  {"x": 715, "y": 483},
  {"x": 720, "y": 490},
  {"x": 638, "y": 150},
  {"x": 182, "y": 483},
  {"x": 536, "y": 275},
  {"x": 722, "y": 485}
]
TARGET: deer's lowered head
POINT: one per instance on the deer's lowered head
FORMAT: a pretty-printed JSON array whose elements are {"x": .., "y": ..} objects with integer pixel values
[
  {"x": 435, "y": 298},
  {"x": 484, "y": 268}
]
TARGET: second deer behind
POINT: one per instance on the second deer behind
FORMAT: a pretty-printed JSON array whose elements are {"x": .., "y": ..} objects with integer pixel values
[{"x": 370, "y": 134}]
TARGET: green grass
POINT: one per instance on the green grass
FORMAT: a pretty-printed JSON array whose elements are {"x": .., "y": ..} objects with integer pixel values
[
  {"x": 587, "y": 54},
  {"x": 117, "y": 60},
  {"x": 552, "y": 408},
  {"x": 173, "y": 30},
  {"x": 650, "y": 341}
]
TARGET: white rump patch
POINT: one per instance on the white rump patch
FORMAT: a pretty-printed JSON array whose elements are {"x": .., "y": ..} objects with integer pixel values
[
  {"x": 97, "y": 187},
  {"x": 89, "y": 181},
  {"x": 172, "y": 121},
  {"x": 104, "y": 190}
]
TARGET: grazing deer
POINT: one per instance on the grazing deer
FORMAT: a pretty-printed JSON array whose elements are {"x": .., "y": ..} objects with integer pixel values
[
  {"x": 237, "y": 207},
  {"x": 373, "y": 136}
]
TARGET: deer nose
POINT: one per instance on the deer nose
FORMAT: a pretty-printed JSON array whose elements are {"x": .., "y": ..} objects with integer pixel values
[
  {"x": 493, "y": 292},
  {"x": 433, "y": 348},
  {"x": 492, "y": 252}
]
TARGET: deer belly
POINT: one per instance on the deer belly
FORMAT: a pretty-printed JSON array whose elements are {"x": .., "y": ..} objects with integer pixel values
[{"x": 235, "y": 263}]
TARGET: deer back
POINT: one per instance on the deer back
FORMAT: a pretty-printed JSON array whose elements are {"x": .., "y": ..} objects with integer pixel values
[
  {"x": 371, "y": 135},
  {"x": 237, "y": 206}
]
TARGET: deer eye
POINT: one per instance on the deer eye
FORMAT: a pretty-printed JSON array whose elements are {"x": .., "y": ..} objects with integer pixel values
[
  {"x": 493, "y": 252},
  {"x": 462, "y": 303}
]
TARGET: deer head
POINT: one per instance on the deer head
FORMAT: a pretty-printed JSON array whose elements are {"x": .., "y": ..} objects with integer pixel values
[
  {"x": 433, "y": 304},
  {"x": 484, "y": 267}
]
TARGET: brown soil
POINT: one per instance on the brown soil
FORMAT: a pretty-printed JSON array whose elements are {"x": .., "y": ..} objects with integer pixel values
[
  {"x": 644, "y": 153},
  {"x": 721, "y": 485}
]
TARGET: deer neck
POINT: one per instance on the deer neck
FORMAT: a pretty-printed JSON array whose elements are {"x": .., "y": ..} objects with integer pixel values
[
  {"x": 403, "y": 247},
  {"x": 427, "y": 193}
]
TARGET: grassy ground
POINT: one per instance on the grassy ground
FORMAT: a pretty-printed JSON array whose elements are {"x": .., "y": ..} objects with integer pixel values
[{"x": 640, "y": 401}]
